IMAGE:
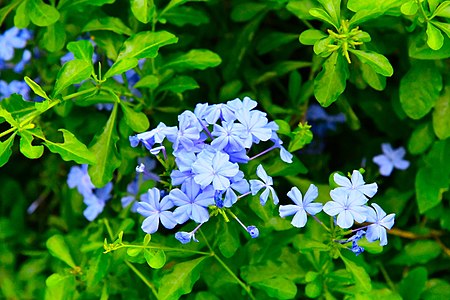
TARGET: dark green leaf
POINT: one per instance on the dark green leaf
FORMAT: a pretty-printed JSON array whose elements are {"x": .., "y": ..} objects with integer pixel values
[
  {"x": 418, "y": 252},
  {"x": 71, "y": 149},
  {"x": 81, "y": 49},
  {"x": 58, "y": 248},
  {"x": 420, "y": 88},
  {"x": 362, "y": 279},
  {"x": 108, "y": 23},
  {"x": 273, "y": 41},
  {"x": 179, "y": 84},
  {"x": 435, "y": 38},
  {"x": 5, "y": 149},
  {"x": 311, "y": 36},
  {"x": 331, "y": 81},
  {"x": 441, "y": 115},
  {"x": 280, "y": 168},
  {"x": 244, "y": 12},
  {"x": 184, "y": 15},
  {"x": 41, "y": 13},
  {"x": 148, "y": 81},
  {"x": 181, "y": 280},
  {"x": 436, "y": 289},
  {"x": 278, "y": 287},
  {"x": 79, "y": 4},
  {"x": 143, "y": 10},
  {"x": 228, "y": 239},
  {"x": 421, "y": 138},
  {"x": 54, "y": 37},
  {"x": 146, "y": 44},
  {"x": 137, "y": 121},
  {"x": 376, "y": 61},
  {"x": 104, "y": 147},
  {"x": 36, "y": 87},
  {"x": 195, "y": 59},
  {"x": 155, "y": 258},
  {"x": 74, "y": 71},
  {"x": 27, "y": 149},
  {"x": 413, "y": 284},
  {"x": 418, "y": 48},
  {"x": 121, "y": 66},
  {"x": 5, "y": 10}
]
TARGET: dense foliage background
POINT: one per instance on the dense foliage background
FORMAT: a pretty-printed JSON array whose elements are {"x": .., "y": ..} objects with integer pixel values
[{"x": 93, "y": 73}]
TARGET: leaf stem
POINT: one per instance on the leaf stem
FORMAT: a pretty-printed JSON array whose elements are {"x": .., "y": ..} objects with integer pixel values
[
  {"x": 7, "y": 131},
  {"x": 142, "y": 277}
]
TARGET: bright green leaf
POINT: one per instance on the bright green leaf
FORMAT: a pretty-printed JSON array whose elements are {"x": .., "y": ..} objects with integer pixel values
[
  {"x": 26, "y": 147},
  {"x": 409, "y": 8},
  {"x": 81, "y": 49},
  {"x": 445, "y": 27},
  {"x": 54, "y": 37},
  {"x": 121, "y": 66},
  {"x": 5, "y": 149},
  {"x": 443, "y": 10},
  {"x": 300, "y": 8},
  {"x": 146, "y": 44},
  {"x": 143, "y": 10},
  {"x": 74, "y": 71},
  {"x": 362, "y": 279},
  {"x": 419, "y": 49},
  {"x": 374, "y": 80},
  {"x": 278, "y": 287},
  {"x": 435, "y": 38},
  {"x": 156, "y": 258},
  {"x": 331, "y": 81},
  {"x": 108, "y": 23},
  {"x": 5, "y": 10},
  {"x": 60, "y": 287},
  {"x": 413, "y": 284},
  {"x": 420, "y": 88},
  {"x": 41, "y": 13},
  {"x": 58, "y": 248},
  {"x": 441, "y": 115},
  {"x": 21, "y": 18},
  {"x": 137, "y": 121},
  {"x": 311, "y": 36},
  {"x": 179, "y": 84},
  {"x": 200, "y": 59},
  {"x": 36, "y": 87},
  {"x": 321, "y": 14},
  {"x": 376, "y": 61},
  {"x": 80, "y": 4},
  {"x": 421, "y": 138},
  {"x": 333, "y": 8},
  {"x": 71, "y": 149},
  {"x": 148, "y": 81},
  {"x": 104, "y": 147}
]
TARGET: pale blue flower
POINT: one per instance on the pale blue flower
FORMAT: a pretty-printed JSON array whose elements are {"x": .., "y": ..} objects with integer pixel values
[
  {"x": 78, "y": 177},
  {"x": 302, "y": 206},
  {"x": 390, "y": 159},
  {"x": 10, "y": 39},
  {"x": 218, "y": 111},
  {"x": 96, "y": 201},
  {"x": 266, "y": 184},
  {"x": 356, "y": 248},
  {"x": 355, "y": 185},
  {"x": 253, "y": 231},
  {"x": 26, "y": 57},
  {"x": 229, "y": 136},
  {"x": 155, "y": 211},
  {"x": 381, "y": 222},
  {"x": 245, "y": 104},
  {"x": 185, "y": 237},
  {"x": 348, "y": 207},
  {"x": 255, "y": 127}
]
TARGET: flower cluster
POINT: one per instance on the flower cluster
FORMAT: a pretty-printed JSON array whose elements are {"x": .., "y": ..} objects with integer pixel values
[
  {"x": 208, "y": 145},
  {"x": 95, "y": 199}
]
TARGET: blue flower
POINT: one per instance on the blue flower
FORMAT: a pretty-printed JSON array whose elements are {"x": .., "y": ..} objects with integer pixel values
[
  {"x": 321, "y": 120},
  {"x": 10, "y": 39},
  {"x": 156, "y": 135},
  {"x": 78, "y": 177},
  {"x": 188, "y": 133},
  {"x": 244, "y": 104},
  {"x": 14, "y": 87},
  {"x": 216, "y": 170},
  {"x": 192, "y": 203},
  {"x": 26, "y": 57},
  {"x": 390, "y": 159},
  {"x": 381, "y": 222},
  {"x": 253, "y": 231},
  {"x": 267, "y": 182},
  {"x": 155, "y": 211},
  {"x": 255, "y": 127},
  {"x": 96, "y": 201},
  {"x": 185, "y": 237},
  {"x": 348, "y": 207},
  {"x": 302, "y": 206},
  {"x": 356, "y": 185},
  {"x": 229, "y": 136},
  {"x": 132, "y": 190},
  {"x": 356, "y": 248},
  {"x": 218, "y": 111}
]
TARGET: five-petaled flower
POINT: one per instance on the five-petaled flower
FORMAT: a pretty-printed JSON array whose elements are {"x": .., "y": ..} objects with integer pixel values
[
  {"x": 390, "y": 159},
  {"x": 355, "y": 185},
  {"x": 267, "y": 182},
  {"x": 348, "y": 207},
  {"x": 381, "y": 222}
]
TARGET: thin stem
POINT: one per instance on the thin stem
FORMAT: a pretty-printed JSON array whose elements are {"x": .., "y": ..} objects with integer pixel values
[
  {"x": 264, "y": 152},
  {"x": 8, "y": 131},
  {"x": 386, "y": 276},
  {"x": 236, "y": 218},
  {"x": 80, "y": 93},
  {"x": 422, "y": 10},
  {"x": 320, "y": 222},
  {"x": 108, "y": 228},
  {"x": 243, "y": 195},
  {"x": 163, "y": 248},
  {"x": 142, "y": 277}
]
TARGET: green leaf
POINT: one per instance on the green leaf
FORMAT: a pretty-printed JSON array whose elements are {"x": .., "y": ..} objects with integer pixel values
[
  {"x": 409, "y": 8},
  {"x": 443, "y": 10},
  {"x": 421, "y": 138},
  {"x": 418, "y": 252},
  {"x": 54, "y": 37},
  {"x": 148, "y": 81},
  {"x": 445, "y": 27},
  {"x": 281, "y": 168},
  {"x": 41, "y": 13},
  {"x": 27, "y": 149},
  {"x": 71, "y": 149},
  {"x": 374, "y": 80},
  {"x": 420, "y": 88},
  {"x": 137, "y": 121},
  {"x": 333, "y": 8},
  {"x": 331, "y": 81},
  {"x": 359, "y": 274},
  {"x": 146, "y": 44},
  {"x": 300, "y": 8},
  {"x": 376, "y": 61},
  {"x": 433, "y": 177},
  {"x": 179, "y": 84},
  {"x": 143, "y": 10},
  {"x": 97, "y": 269},
  {"x": 435, "y": 38},
  {"x": 274, "y": 40},
  {"x": 441, "y": 115},
  {"x": 321, "y": 14},
  {"x": 79, "y": 4},
  {"x": 121, "y": 66},
  {"x": 81, "y": 49},
  {"x": 181, "y": 280},
  {"x": 60, "y": 287},
  {"x": 73, "y": 71},
  {"x": 5, "y": 10},
  {"x": 108, "y": 23},
  {"x": 419, "y": 49},
  {"x": 58, "y": 248},
  {"x": 5, "y": 149},
  {"x": 278, "y": 287},
  {"x": 36, "y": 88},
  {"x": 104, "y": 147},
  {"x": 311, "y": 36},
  {"x": 21, "y": 18},
  {"x": 133, "y": 252},
  {"x": 228, "y": 239},
  {"x": 156, "y": 258},
  {"x": 183, "y": 15},
  {"x": 413, "y": 284},
  {"x": 243, "y": 12},
  {"x": 200, "y": 59},
  {"x": 301, "y": 136}
]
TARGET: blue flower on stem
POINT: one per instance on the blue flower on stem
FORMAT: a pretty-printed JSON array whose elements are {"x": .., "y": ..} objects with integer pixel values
[
  {"x": 155, "y": 211},
  {"x": 302, "y": 206},
  {"x": 192, "y": 203},
  {"x": 267, "y": 182},
  {"x": 253, "y": 231},
  {"x": 185, "y": 237},
  {"x": 348, "y": 207},
  {"x": 356, "y": 249},
  {"x": 355, "y": 185},
  {"x": 390, "y": 159},
  {"x": 96, "y": 201},
  {"x": 381, "y": 222}
]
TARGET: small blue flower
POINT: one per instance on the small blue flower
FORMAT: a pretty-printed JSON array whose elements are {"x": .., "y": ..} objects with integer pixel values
[
  {"x": 10, "y": 39},
  {"x": 390, "y": 159},
  {"x": 255, "y": 127},
  {"x": 357, "y": 236},
  {"x": 356, "y": 185},
  {"x": 185, "y": 237},
  {"x": 192, "y": 203},
  {"x": 14, "y": 87},
  {"x": 381, "y": 222},
  {"x": 96, "y": 201},
  {"x": 267, "y": 182},
  {"x": 155, "y": 211},
  {"x": 302, "y": 206},
  {"x": 229, "y": 136},
  {"x": 188, "y": 133},
  {"x": 356, "y": 248},
  {"x": 26, "y": 57},
  {"x": 244, "y": 104},
  {"x": 218, "y": 111},
  {"x": 253, "y": 231},
  {"x": 156, "y": 135},
  {"x": 78, "y": 177},
  {"x": 348, "y": 207}
]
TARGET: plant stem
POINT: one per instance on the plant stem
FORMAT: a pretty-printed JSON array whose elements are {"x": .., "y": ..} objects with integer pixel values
[
  {"x": 142, "y": 277},
  {"x": 7, "y": 131},
  {"x": 386, "y": 276}
]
